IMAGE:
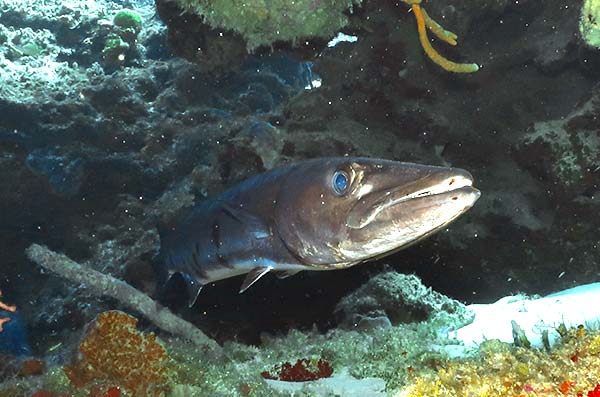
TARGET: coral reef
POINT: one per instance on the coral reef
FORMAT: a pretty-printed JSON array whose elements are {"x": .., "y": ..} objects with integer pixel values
[
  {"x": 94, "y": 156},
  {"x": 409, "y": 358},
  {"x": 120, "y": 45},
  {"x": 572, "y": 369},
  {"x": 128, "y": 19},
  {"x": 303, "y": 27},
  {"x": 112, "y": 352}
]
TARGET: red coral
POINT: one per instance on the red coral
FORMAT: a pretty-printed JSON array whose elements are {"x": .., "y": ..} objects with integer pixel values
[
  {"x": 304, "y": 370},
  {"x": 595, "y": 392},
  {"x": 113, "y": 392}
]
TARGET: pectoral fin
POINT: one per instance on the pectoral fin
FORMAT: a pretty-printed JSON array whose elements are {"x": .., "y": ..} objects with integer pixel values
[
  {"x": 194, "y": 287},
  {"x": 253, "y": 276}
]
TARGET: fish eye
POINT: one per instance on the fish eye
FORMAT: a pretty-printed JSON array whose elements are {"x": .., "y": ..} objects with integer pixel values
[{"x": 340, "y": 182}]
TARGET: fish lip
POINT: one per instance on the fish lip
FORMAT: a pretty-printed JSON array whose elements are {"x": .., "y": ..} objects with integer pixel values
[{"x": 460, "y": 182}]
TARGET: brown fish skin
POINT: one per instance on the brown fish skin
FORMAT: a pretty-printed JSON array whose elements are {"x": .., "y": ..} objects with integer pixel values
[{"x": 318, "y": 214}]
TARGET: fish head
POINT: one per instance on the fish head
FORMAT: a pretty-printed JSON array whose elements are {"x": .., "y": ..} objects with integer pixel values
[{"x": 336, "y": 212}]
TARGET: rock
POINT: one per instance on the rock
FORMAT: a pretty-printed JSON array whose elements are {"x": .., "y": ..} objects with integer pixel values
[
  {"x": 398, "y": 298},
  {"x": 64, "y": 175}
]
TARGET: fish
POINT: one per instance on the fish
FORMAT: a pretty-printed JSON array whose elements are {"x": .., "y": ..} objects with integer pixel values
[{"x": 318, "y": 214}]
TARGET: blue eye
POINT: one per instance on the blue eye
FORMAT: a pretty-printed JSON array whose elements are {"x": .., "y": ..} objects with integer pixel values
[{"x": 340, "y": 182}]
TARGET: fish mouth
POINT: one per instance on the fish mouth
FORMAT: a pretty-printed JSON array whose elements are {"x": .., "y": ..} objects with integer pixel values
[{"x": 453, "y": 188}]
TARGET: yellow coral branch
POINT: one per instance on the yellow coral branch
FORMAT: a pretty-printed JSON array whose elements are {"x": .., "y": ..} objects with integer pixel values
[
  {"x": 437, "y": 29},
  {"x": 424, "y": 22}
]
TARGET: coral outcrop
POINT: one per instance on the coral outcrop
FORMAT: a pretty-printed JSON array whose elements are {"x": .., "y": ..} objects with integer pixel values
[
  {"x": 114, "y": 353},
  {"x": 399, "y": 298},
  {"x": 261, "y": 23}
]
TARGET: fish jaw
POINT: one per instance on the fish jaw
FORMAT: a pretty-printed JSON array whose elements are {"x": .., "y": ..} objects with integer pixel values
[
  {"x": 432, "y": 189},
  {"x": 387, "y": 221},
  {"x": 387, "y": 206}
]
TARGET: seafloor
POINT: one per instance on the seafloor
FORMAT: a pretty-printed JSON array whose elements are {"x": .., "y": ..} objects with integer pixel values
[{"x": 110, "y": 131}]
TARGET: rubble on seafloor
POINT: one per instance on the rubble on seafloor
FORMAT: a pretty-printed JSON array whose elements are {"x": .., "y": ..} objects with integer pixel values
[
  {"x": 110, "y": 344},
  {"x": 403, "y": 360},
  {"x": 115, "y": 150}
]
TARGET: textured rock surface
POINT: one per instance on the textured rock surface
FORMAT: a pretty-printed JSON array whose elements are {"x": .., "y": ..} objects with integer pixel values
[{"x": 401, "y": 298}]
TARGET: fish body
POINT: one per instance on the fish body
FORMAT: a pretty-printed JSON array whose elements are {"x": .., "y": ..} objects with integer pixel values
[{"x": 319, "y": 214}]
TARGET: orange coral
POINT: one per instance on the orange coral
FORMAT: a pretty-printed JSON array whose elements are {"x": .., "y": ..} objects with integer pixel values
[
  {"x": 114, "y": 352},
  {"x": 8, "y": 308}
]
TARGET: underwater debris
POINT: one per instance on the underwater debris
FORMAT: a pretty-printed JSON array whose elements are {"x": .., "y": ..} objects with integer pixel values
[
  {"x": 304, "y": 370},
  {"x": 114, "y": 352},
  {"x": 8, "y": 308},
  {"x": 106, "y": 285},
  {"x": 424, "y": 22}
]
